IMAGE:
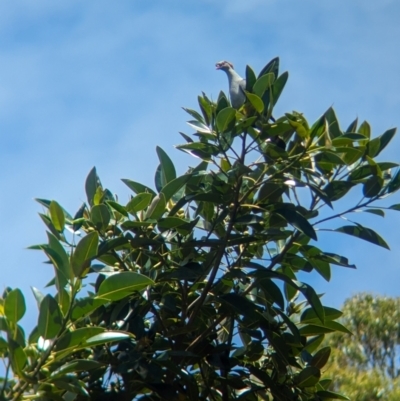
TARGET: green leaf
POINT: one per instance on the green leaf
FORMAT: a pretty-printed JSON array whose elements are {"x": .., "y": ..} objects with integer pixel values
[
  {"x": 278, "y": 86},
  {"x": 167, "y": 166},
  {"x": 107, "y": 337},
  {"x": 376, "y": 145},
  {"x": 139, "y": 202},
  {"x": 119, "y": 208},
  {"x": 91, "y": 184},
  {"x": 255, "y": 101},
  {"x": 308, "y": 377},
  {"x": 121, "y": 285},
  {"x": 394, "y": 184},
  {"x": 320, "y": 359},
  {"x": 272, "y": 66},
  {"x": 297, "y": 221},
  {"x": 85, "y": 251},
  {"x": 194, "y": 114},
  {"x": 365, "y": 129},
  {"x": 100, "y": 216},
  {"x": 157, "y": 207},
  {"x": 58, "y": 256},
  {"x": 14, "y": 305},
  {"x": 71, "y": 341},
  {"x": 174, "y": 186},
  {"x": 137, "y": 187},
  {"x": 337, "y": 189},
  {"x": 18, "y": 357},
  {"x": 312, "y": 298},
  {"x": 330, "y": 395},
  {"x": 57, "y": 216},
  {"x": 226, "y": 119},
  {"x": 364, "y": 233},
  {"x": 372, "y": 186},
  {"x": 352, "y": 127},
  {"x": 50, "y": 318},
  {"x": 263, "y": 83},
  {"x": 171, "y": 222},
  {"x": 395, "y": 207},
  {"x": 78, "y": 365},
  {"x": 85, "y": 306},
  {"x": 309, "y": 315},
  {"x": 250, "y": 78},
  {"x": 333, "y": 123}
]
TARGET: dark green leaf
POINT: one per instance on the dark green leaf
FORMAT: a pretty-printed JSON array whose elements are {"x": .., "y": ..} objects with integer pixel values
[
  {"x": 272, "y": 66},
  {"x": 226, "y": 119},
  {"x": 174, "y": 186},
  {"x": 91, "y": 184},
  {"x": 309, "y": 315},
  {"x": 262, "y": 84},
  {"x": 320, "y": 359},
  {"x": 278, "y": 86},
  {"x": 100, "y": 216},
  {"x": 78, "y": 365},
  {"x": 308, "y": 377},
  {"x": 50, "y": 318},
  {"x": 364, "y": 233},
  {"x": 376, "y": 145},
  {"x": 167, "y": 166},
  {"x": 372, "y": 186},
  {"x": 353, "y": 126},
  {"x": 297, "y": 221},
  {"x": 330, "y": 395},
  {"x": 250, "y": 78},
  {"x": 84, "y": 252},
  {"x": 194, "y": 114},
  {"x": 365, "y": 129}
]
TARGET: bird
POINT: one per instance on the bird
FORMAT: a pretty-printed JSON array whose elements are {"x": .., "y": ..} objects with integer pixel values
[{"x": 237, "y": 84}]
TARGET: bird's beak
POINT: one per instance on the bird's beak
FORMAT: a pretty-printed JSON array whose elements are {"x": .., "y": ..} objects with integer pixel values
[{"x": 217, "y": 66}]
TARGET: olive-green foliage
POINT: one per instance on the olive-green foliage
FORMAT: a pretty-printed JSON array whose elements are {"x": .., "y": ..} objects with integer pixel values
[
  {"x": 190, "y": 291},
  {"x": 366, "y": 364}
]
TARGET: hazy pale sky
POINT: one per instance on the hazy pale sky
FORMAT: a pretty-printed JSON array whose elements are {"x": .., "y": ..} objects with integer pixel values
[{"x": 102, "y": 83}]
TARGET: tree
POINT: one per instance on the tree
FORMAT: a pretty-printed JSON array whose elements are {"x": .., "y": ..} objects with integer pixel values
[
  {"x": 365, "y": 363},
  {"x": 190, "y": 291}
]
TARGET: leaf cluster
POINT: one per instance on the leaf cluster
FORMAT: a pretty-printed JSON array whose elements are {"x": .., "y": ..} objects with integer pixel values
[{"x": 190, "y": 290}]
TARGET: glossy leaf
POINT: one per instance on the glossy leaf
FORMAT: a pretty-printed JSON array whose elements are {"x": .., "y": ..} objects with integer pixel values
[
  {"x": 278, "y": 87},
  {"x": 167, "y": 166},
  {"x": 255, "y": 101},
  {"x": 364, "y": 233},
  {"x": 297, "y": 221},
  {"x": 308, "y": 377},
  {"x": 14, "y": 306},
  {"x": 91, "y": 185},
  {"x": 137, "y": 187},
  {"x": 50, "y": 318},
  {"x": 100, "y": 216},
  {"x": 57, "y": 216},
  {"x": 262, "y": 84},
  {"x": 139, "y": 202},
  {"x": 121, "y": 285},
  {"x": 85, "y": 250},
  {"x": 372, "y": 186},
  {"x": 107, "y": 337},
  {"x": 226, "y": 119},
  {"x": 320, "y": 359},
  {"x": 250, "y": 78},
  {"x": 78, "y": 365},
  {"x": 157, "y": 207}
]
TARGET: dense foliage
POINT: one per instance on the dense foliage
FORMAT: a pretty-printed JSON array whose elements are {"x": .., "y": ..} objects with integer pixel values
[
  {"x": 366, "y": 364},
  {"x": 191, "y": 290}
]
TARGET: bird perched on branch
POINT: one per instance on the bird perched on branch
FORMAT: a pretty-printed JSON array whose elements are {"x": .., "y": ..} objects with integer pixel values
[{"x": 237, "y": 84}]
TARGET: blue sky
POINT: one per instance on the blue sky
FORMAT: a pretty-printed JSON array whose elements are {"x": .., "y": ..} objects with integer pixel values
[{"x": 86, "y": 84}]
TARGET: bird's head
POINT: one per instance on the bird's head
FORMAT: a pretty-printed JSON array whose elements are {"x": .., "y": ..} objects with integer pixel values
[{"x": 224, "y": 65}]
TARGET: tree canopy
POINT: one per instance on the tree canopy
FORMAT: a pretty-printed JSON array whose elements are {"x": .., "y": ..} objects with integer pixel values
[
  {"x": 366, "y": 363},
  {"x": 190, "y": 289}
]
